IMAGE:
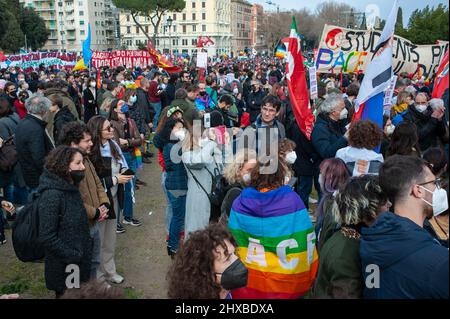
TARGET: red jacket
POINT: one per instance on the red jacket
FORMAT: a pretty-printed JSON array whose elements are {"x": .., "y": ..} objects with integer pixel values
[
  {"x": 153, "y": 92},
  {"x": 20, "y": 109}
]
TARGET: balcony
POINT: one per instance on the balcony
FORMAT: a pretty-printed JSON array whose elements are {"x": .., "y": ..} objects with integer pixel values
[{"x": 45, "y": 9}]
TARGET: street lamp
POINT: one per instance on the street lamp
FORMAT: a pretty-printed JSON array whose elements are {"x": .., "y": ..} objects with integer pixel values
[{"x": 169, "y": 24}]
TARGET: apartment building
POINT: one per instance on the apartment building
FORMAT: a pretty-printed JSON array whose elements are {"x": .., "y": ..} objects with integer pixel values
[
  {"x": 257, "y": 27},
  {"x": 68, "y": 22},
  {"x": 179, "y": 31},
  {"x": 241, "y": 25}
]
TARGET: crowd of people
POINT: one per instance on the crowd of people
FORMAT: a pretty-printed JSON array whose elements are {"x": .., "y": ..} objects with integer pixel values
[{"x": 254, "y": 209}]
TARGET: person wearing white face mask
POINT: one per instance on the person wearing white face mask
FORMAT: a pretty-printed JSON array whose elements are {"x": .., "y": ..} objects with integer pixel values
[
  {"x": 412, "y": 264},
  {"x": 176, "y": 181},
  {"x": 201, "y": 165},
  {"x": 437, "y": 226},
  {"x": 329, "y": 133},
  {"x": 429, "y": 121}
]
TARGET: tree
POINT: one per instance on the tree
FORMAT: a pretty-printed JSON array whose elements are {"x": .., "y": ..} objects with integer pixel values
[
  {"x": 13, "y": 39},
  {"x": 152, "y": 9},
  {"x": 26, "y": 22},
  {"x": 33, "y": 26},
  {"x": 428, "y": 25}
]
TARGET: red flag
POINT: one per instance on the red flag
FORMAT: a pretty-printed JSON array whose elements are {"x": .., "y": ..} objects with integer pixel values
[
  {"x": 441, "y": 82},
  {"x": 298, "y": 90},
  {"x": 161, "y": 61},
  {"x": 2, "y": 57},
  {"x": 99, "y": 79}
]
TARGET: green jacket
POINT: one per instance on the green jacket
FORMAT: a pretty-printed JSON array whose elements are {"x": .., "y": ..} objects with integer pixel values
[{"x": 339, "y": 275}]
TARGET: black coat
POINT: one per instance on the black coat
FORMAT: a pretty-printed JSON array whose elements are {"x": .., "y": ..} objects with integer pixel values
[
  {"x": 8, "y": 126},
  {"x": 144, "y": 106},
  {"x": 63, "y": 230},
  {"x": 33, "y": 145},
  {"x": 90, "y": 104},
  {"x": 429, "y": 129},
  {"x": 308, "y": 160},
  {"x": 61, "y": 118},
  {"x": 254, "y": 103},
  {"x": 328, "y": 136}
]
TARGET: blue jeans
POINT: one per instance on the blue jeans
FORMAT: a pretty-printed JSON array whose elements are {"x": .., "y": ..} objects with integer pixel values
[
  {"x": 168, "y": 212},
  {"x": 130, "y": 189},
  {"x": 2, "y": 226},
  {"x": 16, "y": 194},
  {"x": 304, "y": 188},
  {"x": 177, "y": 222},
  {"x": 157, "y": 108}
]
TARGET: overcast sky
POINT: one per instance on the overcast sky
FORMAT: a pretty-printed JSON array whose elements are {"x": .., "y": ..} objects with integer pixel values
[{"x": 385, "y": 6}]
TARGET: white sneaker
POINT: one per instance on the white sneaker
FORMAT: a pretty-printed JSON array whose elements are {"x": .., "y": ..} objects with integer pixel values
[{"x": 116, "y": 279}]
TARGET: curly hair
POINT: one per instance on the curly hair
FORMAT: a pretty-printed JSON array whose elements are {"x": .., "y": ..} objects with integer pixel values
[
  {"x": 359, "y": 201},
  {"x": 191, "y": 275},
  {"x": 94, "y": 290},
  {"x": 73, "y": 132},
  {"x": 365, "y": 134},
  {"x": 58, "y": 161}
]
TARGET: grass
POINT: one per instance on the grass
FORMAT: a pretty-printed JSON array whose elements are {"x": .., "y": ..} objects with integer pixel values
[{"x": 131, "y": 293}]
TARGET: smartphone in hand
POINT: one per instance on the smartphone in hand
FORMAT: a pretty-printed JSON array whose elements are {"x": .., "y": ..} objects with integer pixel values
[{"x": 128, "y": 172}]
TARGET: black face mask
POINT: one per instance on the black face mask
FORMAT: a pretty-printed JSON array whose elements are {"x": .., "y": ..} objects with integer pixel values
[
  {"x": 235, "y": 276},
  {"x": 13, "y": 94},
  {"x": 202, "y": 93},
  {"x": 77, "y": 176}
]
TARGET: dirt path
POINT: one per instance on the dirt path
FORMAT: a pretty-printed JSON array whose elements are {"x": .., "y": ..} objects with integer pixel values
[{"x": 141, "y": 255}]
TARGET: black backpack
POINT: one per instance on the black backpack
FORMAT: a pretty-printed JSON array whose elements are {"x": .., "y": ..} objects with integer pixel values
[
  {"x": 25, "y": 233},
  {"x": 218, "y": 188}
]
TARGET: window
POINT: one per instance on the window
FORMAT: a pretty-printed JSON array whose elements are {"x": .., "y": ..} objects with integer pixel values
[
  {"x": 203, "y": 4},
  {"x": 174, "y": 17},
  {"x": 185, "y": 42},
  {"x": 193, "y": 5},
  {"x": 204, "y": 16},
  {"x": 184, "y": 29},
  {"x": 81, "y": 22},
  {"x": 82, "y": 32},
  {"x": 128, "y": 18},
  {"x": 128, "y": 30},
  {"x": 81, "y": 13},
  {"x": 194, "y": 28},
  {"x": 184, "y": 16},
  {"x": 137, "y": 30},
  {"x": 193, "y": 16},
  {"x": 204, "y": 28},
  {"x": 194, "y": 42},
  {"x": 175, "y": 29},
  {"x": 146, "y": 29}
]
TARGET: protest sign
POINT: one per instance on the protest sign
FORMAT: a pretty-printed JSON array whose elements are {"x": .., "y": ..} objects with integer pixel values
[
  {"x": 126, "y": 58},
  {"x": 202, "y": 60},
  {"x": 313, "y": 83},
  {"x": 352, "y": 50},
  {"x": 31, "y": 61}
]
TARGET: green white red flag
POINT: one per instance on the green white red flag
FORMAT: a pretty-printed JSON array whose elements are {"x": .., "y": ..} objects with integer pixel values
[{"x": 298, "y": 90}]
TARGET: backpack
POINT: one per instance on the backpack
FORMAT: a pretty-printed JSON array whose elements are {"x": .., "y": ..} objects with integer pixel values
[
  {"x": 8, "y": 152},
  {"x": 8, "y": 155},
  {"x": 218, "y": 188},
  {"x": 25, "y": 233}
]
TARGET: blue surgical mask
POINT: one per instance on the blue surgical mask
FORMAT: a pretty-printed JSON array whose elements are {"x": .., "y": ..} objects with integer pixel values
[{"x": 125, "y": 108}]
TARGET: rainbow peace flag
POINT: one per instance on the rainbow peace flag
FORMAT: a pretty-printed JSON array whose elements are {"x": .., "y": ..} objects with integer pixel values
[
  {"x": 276, "y": 242},
  {"x": 138, "y": 155}
]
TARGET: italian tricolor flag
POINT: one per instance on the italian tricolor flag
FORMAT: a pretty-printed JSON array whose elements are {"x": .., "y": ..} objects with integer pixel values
[{"x": 298, "y": 90}]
